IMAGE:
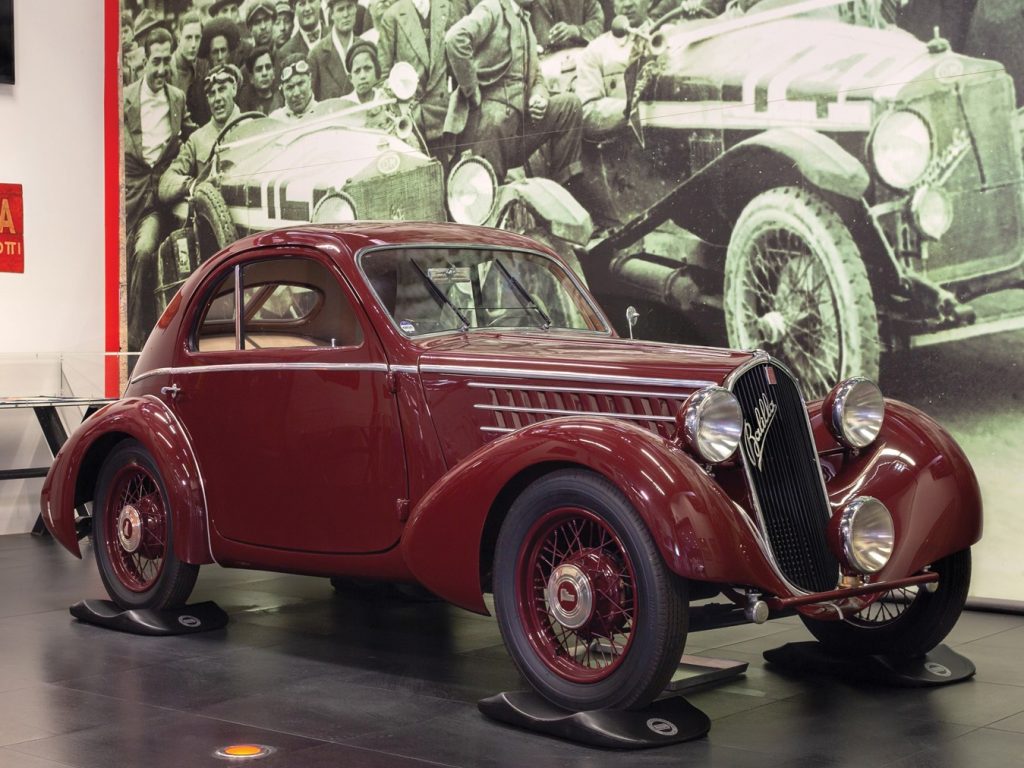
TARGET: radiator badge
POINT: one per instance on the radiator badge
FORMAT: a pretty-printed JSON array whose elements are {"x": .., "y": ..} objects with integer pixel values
[{"x": 764, "y": 415}]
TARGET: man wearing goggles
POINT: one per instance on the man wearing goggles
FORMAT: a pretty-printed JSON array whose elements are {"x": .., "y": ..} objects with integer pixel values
[
  {"x": 297, "y": 88},
  {"x": 193, "y": 161}
]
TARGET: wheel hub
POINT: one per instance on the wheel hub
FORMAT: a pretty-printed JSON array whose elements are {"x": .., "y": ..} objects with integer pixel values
[
  {"x": 129, "y": 528},
  {"x": 570, "y": 596},
  {"x": 772, "y": 326}
]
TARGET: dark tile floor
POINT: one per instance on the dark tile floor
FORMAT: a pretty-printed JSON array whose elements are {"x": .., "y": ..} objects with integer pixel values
[{"x": 335, "y": 681}]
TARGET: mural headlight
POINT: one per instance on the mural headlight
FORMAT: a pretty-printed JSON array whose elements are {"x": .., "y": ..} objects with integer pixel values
[
  {"x": 403, "y": 81},
  {"x": 710, "y": 424},
  {"x": 472, "y": 190},
  {"x": 932, "y": 212},
  {"x": 866, "y": 534},
  {"x": 901, "y": 148},
  {"x": 336, "y": 208},
  {"x": 854, "y": 412}
]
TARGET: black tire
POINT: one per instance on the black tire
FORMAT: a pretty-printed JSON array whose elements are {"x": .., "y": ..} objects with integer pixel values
[
  {"x": 796, "y": 286},
  {"x": 213, "y": 225},
  {"x": 633, "y": 596},
  {"x": 906, "y": 623},
  {"x": 149, "y": 575}
]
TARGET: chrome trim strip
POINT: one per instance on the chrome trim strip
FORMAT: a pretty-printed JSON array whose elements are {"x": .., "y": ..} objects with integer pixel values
[
  {"x": 199, "y": 472},
  {"x": 517, "y": 373},
  {"x": 499, "y": 429},
  {"x": 405, "y": 368},
  {"x": 376, "y": 367},
  {"x": 759, "y": 357},
  {"x": 560, "y": 412},
  {"x": 578, "y": 390}
]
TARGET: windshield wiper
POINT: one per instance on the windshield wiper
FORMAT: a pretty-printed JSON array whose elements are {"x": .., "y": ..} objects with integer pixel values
[
  {"x": 524, "y": 296},
  {"x": 439, "y": 295}
]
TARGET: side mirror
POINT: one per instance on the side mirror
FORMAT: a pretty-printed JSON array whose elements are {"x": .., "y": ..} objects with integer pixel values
[{"x": 632, "y": 317}]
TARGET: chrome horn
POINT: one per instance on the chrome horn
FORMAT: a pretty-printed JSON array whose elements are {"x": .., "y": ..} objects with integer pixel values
[{"x": 620, "y": 28}]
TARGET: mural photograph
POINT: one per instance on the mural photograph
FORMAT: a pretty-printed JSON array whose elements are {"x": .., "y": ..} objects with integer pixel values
[{"x": 837, "y": 182}]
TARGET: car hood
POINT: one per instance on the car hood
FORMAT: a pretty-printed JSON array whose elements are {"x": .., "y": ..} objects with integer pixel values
[
  {"x": 481, "y": 385},
  {"x": 573, "y": 357}
]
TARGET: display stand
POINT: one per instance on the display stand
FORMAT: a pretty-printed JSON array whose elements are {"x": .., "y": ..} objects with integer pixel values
[
  {"x": 187, "y": 620},
  {"x": 940, "y": 666},
  {"x": 670, "y": 720}
]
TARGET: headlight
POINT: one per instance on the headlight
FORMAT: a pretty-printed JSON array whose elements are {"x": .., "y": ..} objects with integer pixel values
[
  {"x": 472, "y": 190},
  {"x": 334, "y": 209},
  {"x": 901, "y": 148},
  {"x": 854, "y": 412},
  {"x": 865, "y": 534},
  {"x": 932, "y": 212},
  {"x": 403, "y": 81},
  {"x": 710, "y": 424}
]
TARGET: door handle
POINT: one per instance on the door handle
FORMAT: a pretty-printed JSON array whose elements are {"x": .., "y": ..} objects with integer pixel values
[{"x": 172, "y": 391}]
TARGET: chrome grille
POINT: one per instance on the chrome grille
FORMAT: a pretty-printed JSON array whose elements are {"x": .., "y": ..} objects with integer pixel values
[
  {"x": 517, "y": 406},
  {"x": 785, "y": 476},
  {"x": 413, "y": 195}
]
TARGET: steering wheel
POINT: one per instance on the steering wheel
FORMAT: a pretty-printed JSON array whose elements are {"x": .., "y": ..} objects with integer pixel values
[{"x": 232, "y": 123}]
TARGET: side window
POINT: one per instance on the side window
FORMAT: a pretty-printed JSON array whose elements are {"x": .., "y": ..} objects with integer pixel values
[{"x": 286, "y": 303}]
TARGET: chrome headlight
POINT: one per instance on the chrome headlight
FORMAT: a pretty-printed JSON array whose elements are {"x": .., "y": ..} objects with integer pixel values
[
  {"x": 932, "y": 212},
  {"x": 334, "y": 209},
  {"x": 866, "y": 534},
  {"x": 472, "y": 190},
  {"x": 403, "y": 81},
  {"x": 854, "y": 412},
  {"x": 710, "y": 424},
  {"x": 901, "y": 148}
]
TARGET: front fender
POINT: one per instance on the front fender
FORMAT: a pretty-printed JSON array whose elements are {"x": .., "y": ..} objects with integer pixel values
[
  {"x": 699, "y": 531},
  {"x": 919, "y": 472},
  {"x": 73, "y": 475},
  {"x": 551, "y": 204}
]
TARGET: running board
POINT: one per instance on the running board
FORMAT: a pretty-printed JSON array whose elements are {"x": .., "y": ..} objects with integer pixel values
[{"x": 985, "y": 328}]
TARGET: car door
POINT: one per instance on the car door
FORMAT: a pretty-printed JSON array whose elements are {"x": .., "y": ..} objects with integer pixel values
[{"x": 285, "y": 397}]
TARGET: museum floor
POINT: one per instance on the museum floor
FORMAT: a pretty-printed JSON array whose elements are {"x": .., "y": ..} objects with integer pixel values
[{"x": 333, "y": 681}]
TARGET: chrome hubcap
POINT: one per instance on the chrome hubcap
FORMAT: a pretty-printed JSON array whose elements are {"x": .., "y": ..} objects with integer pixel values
[
  {"x": 772, "y": 326},
  {"x": 129, "y": 528},
  {"x": 570, "y": 596}
]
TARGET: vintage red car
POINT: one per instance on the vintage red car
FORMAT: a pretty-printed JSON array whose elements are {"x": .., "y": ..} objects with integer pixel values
[{"x": 448, "y": 406}]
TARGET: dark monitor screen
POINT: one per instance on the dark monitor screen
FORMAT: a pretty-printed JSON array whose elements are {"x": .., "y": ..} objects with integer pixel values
[{"x": 6, "y": 41}]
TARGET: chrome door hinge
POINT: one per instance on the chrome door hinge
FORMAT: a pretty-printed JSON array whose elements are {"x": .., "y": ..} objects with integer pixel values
[
  {"x": 171, "y": 391},
  {"x": 402, "y": 505}
]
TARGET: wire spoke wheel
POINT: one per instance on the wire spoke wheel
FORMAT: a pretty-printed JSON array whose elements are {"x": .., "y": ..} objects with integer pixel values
[
  {"x": 575, "y": 587},
  {"x": 889, "y": 607},
  {"x": 796, "y": 287}
]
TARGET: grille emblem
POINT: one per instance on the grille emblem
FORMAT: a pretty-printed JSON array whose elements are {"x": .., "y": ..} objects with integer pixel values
[
  {"x": 770, "y": 373},
  {"x": 754, "y": 437}
]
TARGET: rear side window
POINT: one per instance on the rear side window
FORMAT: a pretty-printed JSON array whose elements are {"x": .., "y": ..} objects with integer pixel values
[{"x": 285, "y": 303}]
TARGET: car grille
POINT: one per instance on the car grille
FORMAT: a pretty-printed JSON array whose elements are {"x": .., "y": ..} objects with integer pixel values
[
  {"x": 785, "y": 476},
  {"x": 515, "y": 407},
  {"x": 413, "y": 195},
  {"x": 985, "y": 188}
]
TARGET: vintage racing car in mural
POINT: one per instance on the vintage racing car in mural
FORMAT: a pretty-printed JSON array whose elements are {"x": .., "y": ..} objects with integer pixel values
[
  {"x": 389, "y": 401},
  {"x": 844, "y": 187},
  {"x": 346, "y": 162}
]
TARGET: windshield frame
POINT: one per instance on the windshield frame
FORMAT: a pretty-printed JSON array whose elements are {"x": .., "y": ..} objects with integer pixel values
[{"x": 581, "y": 289}]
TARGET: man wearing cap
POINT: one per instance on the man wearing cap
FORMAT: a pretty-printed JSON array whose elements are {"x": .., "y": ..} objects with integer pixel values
[
  {"x": 217, "y": 47},
  {"x": 153, "y": 114},
  {"x": 193, "y": 161},
  {"x": 259, "y": 93},
  {"x": 297, "y": 89},
  {"x": 259, "y": 18},
  {"x": 327, "y": 58},
  {"x": 307, "y": 33},
  {"x": 413, "y": 31},
  {"x": 284, "y": 20},
  {"x": 502, "y": 110}
]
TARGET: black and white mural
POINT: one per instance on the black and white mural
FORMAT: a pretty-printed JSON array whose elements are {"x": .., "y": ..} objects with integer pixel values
[{"x": 838, "y": 182}]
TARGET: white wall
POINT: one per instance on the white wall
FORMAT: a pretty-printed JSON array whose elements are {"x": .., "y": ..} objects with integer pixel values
[{"x": 51, "y": 142}]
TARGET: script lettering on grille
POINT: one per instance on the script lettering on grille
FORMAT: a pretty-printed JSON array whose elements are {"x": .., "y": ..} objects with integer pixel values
[{"x": 764, "y": 415}]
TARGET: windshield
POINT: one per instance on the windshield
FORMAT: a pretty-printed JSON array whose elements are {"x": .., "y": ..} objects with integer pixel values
[{"x": 431, "y": 289}]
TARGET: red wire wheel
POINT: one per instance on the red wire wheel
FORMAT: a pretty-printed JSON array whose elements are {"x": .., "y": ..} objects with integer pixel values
[
  {"x": 575, "y": 590},
  {"x": 133, "y": 532},
  {"x": 587, "y": 607},
  {"x": 135, "y": 527}
]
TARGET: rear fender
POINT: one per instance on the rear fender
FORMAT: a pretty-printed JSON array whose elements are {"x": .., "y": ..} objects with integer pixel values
[
  {"x": 72, "y": 478},
  {"x": 551, "y": 205},
  {"x": 699, "y": 531}
]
